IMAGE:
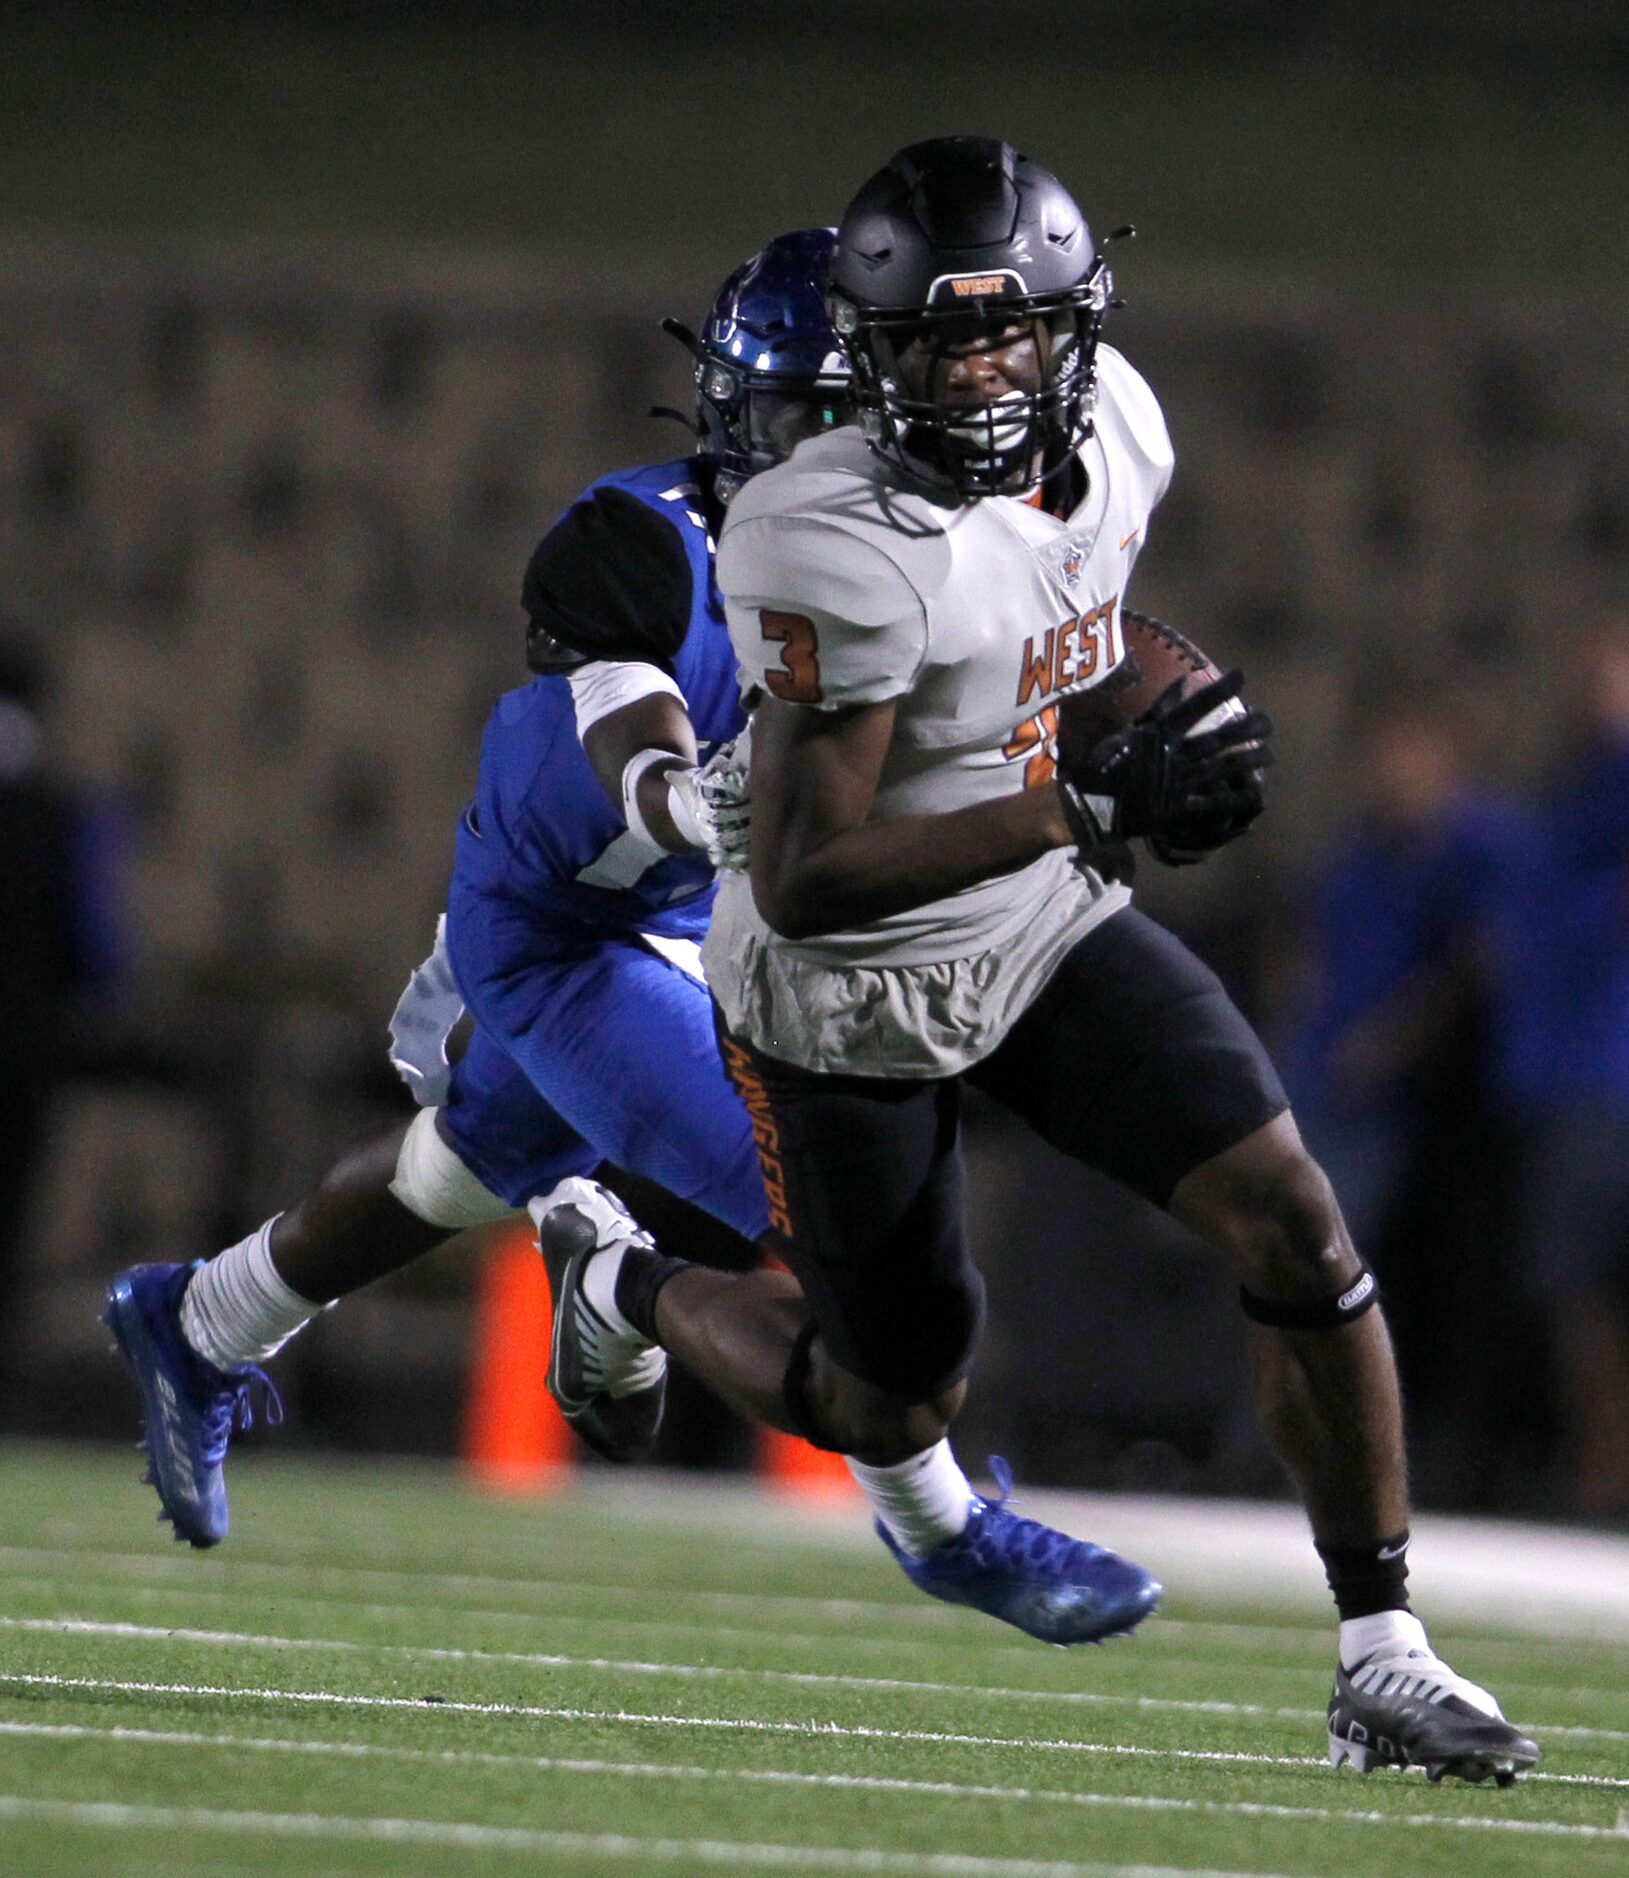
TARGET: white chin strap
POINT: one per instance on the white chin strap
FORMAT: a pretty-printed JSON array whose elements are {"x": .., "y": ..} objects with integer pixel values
[{"x": 987, "y": 434}]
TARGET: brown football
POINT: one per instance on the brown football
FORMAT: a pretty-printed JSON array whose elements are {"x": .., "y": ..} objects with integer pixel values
[{"x": 1157, "y": 656}]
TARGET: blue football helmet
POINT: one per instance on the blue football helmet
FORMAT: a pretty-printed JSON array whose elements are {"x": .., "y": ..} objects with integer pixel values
[{"x": 770, "y": 369}]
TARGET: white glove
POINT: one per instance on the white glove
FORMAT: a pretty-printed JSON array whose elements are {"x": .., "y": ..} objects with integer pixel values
[
  {"x": 711, "y": 808},
  {"x": 422, "y": 1022}
]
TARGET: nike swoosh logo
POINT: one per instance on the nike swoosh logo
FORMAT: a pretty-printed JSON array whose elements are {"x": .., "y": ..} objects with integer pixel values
[
  {"x": 1127, "y": 540},
  {"x": 1392, "y": 1551}
]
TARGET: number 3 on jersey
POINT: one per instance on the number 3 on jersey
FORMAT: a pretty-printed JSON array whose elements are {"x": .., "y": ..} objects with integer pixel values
[{"x": 797, "y": 678}]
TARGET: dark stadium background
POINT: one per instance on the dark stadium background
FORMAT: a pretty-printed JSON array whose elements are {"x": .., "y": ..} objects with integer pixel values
[{"x": 311, "y": 317}]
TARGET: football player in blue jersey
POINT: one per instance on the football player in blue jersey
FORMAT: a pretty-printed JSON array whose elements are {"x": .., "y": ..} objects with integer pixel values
[{"x": 582, "y": 884}]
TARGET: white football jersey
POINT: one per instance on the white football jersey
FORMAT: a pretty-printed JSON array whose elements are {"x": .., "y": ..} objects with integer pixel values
[{"x": 845, "y": 584}]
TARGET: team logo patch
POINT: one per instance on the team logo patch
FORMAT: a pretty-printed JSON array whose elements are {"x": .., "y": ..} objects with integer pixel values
[{"x": 1065, "y": 557}]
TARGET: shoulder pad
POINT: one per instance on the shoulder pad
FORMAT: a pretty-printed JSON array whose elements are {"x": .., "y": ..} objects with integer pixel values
[{"x": 1127, "y": 403}]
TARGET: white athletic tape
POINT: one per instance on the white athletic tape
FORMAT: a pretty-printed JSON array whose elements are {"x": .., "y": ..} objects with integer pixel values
[
  {"x": 432, "y": 1182},
  {"x": 632, "y": 813},
  {"x": 684, "y": 953},
  {"x": 791, "y": 1777}
]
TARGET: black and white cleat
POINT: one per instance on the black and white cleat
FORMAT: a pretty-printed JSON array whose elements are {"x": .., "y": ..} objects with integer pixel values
[
  {"x": 609, "y": 1386},
  {"x": 1412, "y": 1710}
]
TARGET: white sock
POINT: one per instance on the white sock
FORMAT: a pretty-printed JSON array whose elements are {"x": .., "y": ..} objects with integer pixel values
[
  {"x": 238, "y": 1310},
  {"x": 615, "y": 1232},
  {"x": 600, "y": 1287},
  {"x": 1385, "y": 1633},
  {"x": 922, "y": 1501}
]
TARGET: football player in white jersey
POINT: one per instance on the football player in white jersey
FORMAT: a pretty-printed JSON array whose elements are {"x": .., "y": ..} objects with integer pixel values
[{"x": 933, "y": 898}]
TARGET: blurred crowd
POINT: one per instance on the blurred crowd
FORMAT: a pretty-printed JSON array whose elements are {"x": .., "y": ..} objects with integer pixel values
[
  {"x": 67, "y": 957},
  {"x": 1460, "y": 1063}
]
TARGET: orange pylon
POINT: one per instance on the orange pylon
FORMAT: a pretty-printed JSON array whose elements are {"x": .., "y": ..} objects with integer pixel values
[
  {"x": 791, "y": 1466},
  {"x": 515, "y": 1439}
]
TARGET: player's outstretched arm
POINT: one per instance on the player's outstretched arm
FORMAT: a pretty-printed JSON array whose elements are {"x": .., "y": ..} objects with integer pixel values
[
  {"x": 820, "y": 865},
  {"x": 645, "y": 758},
  {"x": 657, "y": 723}
]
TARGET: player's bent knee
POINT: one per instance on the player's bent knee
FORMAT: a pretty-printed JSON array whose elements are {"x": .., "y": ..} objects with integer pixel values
[
  {"x": 844, "y": 1414},
  {"x": 883, "y": 1430},
  {"x": 1296, "y": 1263},
  {"x": 434, "y": 1184},
  {"x": 1274, "y": 1214}
]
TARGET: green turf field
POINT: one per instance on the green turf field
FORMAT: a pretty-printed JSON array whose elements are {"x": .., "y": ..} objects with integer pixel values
[{"x": 381, "y": 1672}]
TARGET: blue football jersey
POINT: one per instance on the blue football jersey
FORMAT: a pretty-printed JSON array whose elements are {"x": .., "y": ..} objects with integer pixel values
[{"x": 629, "y": 570}]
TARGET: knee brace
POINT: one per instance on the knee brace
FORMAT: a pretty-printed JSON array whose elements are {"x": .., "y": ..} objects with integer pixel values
[
  {"x": 1325, "y": 1314},
  {"x": 433, "y": 1183}
]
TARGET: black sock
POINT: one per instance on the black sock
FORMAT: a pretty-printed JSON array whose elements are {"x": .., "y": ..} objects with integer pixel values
[
  {"x": 640, "y": 1277},
  {"x": 1368, "y": 1578}
]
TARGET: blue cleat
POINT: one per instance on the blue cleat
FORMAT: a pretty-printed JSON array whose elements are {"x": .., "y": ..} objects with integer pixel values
[
  {"x": 1054, "y": 1588},
  {"x": 191, "y": 1408}
]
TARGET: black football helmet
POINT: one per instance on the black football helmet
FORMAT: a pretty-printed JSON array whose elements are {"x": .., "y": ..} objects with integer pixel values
[{"x": 957, "y": 241}]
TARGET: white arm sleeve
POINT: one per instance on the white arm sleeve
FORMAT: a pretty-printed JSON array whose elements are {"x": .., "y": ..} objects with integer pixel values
[
  {"x": 606, "y": 685},
  {"x": 866, "y": 637}
]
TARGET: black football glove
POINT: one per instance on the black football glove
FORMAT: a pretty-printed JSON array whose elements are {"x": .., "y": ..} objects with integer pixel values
[{"x": 1187, "y": 794}]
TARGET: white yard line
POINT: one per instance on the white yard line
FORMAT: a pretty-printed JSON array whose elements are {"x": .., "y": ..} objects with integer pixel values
[
  {"x": 525, "y": 1711},
  {"x": 916, "y": 1614},
  {"x": 463, "y": 1836},
  {"x": 706, "y": 1672},
  {"x": 1529, "y": 1577},
  {"x": 772, "y": 1632},
  {"x": 718, "y": 1724},
  {"x": 675, "y": 1770},
  {"x": 298, "y": 1569},
  {"x": 190, "y": 1594}
]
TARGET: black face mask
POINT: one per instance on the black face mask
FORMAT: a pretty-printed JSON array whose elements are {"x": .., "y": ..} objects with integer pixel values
[
  {"x": 776, "y": 422},
  {"x": 979, "y": 448}
]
